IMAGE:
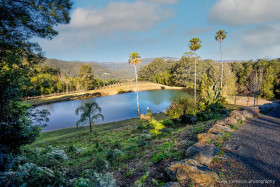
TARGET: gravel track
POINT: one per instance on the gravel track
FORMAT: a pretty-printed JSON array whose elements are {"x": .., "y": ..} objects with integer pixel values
[{"x": 259, "y": 148}]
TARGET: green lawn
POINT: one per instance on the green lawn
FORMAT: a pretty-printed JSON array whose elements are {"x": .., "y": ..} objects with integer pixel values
[{"x": 124, "y": 149}]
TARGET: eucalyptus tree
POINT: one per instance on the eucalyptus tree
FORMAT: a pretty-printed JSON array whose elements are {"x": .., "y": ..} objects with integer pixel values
[
  {"x": 21, "y": 21},
  {"x": 89, "y": 112},
  {"x": 194, "y": 45},
  {"x": 220, "y": 36},
  {"x": 134, "y": 59}
]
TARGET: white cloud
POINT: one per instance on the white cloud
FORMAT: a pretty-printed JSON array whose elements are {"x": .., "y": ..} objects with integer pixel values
[
  {"x": 91, "y": 27},
  {"x": 164, "y": 1},
  {"x": 258, "y": 42},
  {"x": 119, "y": 16},
  {"x": 243, "y": 12}
]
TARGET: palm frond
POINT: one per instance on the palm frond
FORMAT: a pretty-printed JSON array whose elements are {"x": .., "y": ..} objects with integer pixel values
[{"x": 80, "y": 121}]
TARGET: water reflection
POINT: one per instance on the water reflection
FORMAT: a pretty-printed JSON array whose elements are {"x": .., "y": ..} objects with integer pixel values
[{"x": 114, "y": 108}]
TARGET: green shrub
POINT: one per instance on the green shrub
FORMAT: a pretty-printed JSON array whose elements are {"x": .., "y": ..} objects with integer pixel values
[
  {"x": 140, "y": 182},
  {"x": 141, "y": 127},
  {"x": 233, "y": 126},
  {"x": 146, "y": 136},
  {"x": 168, "y": 123},
  {"x": 198, "y": 129},
  {"x": 128, "y": 173},
  {"x": 175, "y": 110},
  {"x": 188, "y": 105},
  {"x": 165, "y": 151},
  {"x": 30, "y": 174},
  {"x": 156, "y": 126},
  {"x": 240, "y": 121},
  {"x": 56, "y": 156},
  {"x": 188, "y": 119},
  {"x": 91, "y": 178},
  {"x": 113, "y": 154},
  {"x": 100, "y": 164},
  {"x": 81, "y": 182}
]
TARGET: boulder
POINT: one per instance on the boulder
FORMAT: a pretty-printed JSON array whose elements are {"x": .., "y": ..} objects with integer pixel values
[
  {"x": 205, "y": 137},
  {"x": 219, "y": 129},
  {"x": 206, "y": 155},
  {"x": 191, "y": 170},
  {"x": 237, "y": 114},
  {"x": 199, "y": 147},
  {"x": 193, "y": 150}
]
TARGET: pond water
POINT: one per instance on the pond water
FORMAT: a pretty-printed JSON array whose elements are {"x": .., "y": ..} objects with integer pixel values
[{"x": 114, "y": 108}]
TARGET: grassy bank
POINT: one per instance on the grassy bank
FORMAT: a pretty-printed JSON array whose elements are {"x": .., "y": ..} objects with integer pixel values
[
  {"x": 142, "y": 86},
  {"x": 124, "y": 149}
]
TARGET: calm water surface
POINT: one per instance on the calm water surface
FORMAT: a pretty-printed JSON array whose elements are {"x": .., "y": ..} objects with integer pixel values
[{"x": 114, "y": 108}]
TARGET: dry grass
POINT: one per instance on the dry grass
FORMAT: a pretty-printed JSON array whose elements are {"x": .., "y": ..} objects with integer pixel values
[
  {"x": 246, "y": 101},
  {"x": 100, "y": 92}
]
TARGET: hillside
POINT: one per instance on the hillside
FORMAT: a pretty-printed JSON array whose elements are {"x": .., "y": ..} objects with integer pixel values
[
  {"x": 72, "y": 68},
  {"x": 106, "y": 70}
]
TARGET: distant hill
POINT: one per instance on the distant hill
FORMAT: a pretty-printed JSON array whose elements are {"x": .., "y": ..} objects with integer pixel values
[
  {"x": 72, "y": 68},
  {"x": 106, "y": 70}
]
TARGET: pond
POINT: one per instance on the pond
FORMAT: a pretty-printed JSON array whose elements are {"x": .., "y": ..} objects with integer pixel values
[{"x": 114, "y": 108}]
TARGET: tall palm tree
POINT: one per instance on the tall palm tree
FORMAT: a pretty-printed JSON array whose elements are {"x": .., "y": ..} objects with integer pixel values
[
  {"x": 194, "y": 45},
  {"x": 134, "y": 59},
  {"x": 220, "y": 36},
  {"x": 88, "y": 114}
]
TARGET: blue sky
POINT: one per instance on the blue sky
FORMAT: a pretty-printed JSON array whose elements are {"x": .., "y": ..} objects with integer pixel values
[{"x": 108, "y": 30}]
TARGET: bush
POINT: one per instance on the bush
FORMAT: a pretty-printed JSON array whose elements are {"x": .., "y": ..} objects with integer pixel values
[
  {"x": 168, "y": 123},
  {"x": 55, "y": 156},
  {"x": 113, "y": 154},
  {"x": 99, "y": 164},
  {"x": 187, "y": 104},
  {"x": 91, "y": 178},
  {"x": 30, "y": 174},
  {"x": 157, "y": 126},
  {"x": 189, "y": 119},
  {"x": 165, "y": 151},
  {"x": 175, "y": 110}
]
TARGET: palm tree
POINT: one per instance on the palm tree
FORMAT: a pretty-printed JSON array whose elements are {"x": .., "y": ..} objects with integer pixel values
[
  {"x": 220, "y": 36},
  {"x": 134, "y": 59},
  {"x": 194, "y": 45},
  {"x": 88, "y": 114}
]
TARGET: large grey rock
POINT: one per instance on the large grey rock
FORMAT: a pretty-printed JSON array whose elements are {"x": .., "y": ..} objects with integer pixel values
[
  {"x": 206, "y": 155},
  {"x": 194, "y": 171},
  {"x": 205, "y": 137}
]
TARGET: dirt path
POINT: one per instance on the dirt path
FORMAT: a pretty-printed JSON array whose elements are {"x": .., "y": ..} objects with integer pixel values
[{"x": 258, "y": 153}]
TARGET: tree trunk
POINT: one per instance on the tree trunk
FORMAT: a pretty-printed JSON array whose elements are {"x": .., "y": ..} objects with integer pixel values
[
  {"x": 195, "y": 80},
  {"x": 222, "y": 66},
  {"x": 137, "y": 92},
  {"x": 90, "y": 127}
]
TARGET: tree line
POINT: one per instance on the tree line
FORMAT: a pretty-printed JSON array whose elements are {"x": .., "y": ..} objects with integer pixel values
[
  {"x": 248, "y": 78},
  {"x": 45, "y": 80}
]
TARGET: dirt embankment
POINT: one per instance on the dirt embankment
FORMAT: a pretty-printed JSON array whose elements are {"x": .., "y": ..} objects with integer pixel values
[{"x": 100, "y": 92}]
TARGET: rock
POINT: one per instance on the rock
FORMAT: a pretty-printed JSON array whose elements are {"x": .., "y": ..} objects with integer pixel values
[
  {"x": 172, "y": 184},
  {"x": 230, "y": 120},
  {"x": 206, "y": 155},
  {"x": 192, "y": 170},
  {"x": 205, "y": 137},
  {"x": 219, "y": 129},
  {"x": 237, "y": 114},
  {"x": 193, "y": 150},
  {"x": 269, "y": 106}
]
